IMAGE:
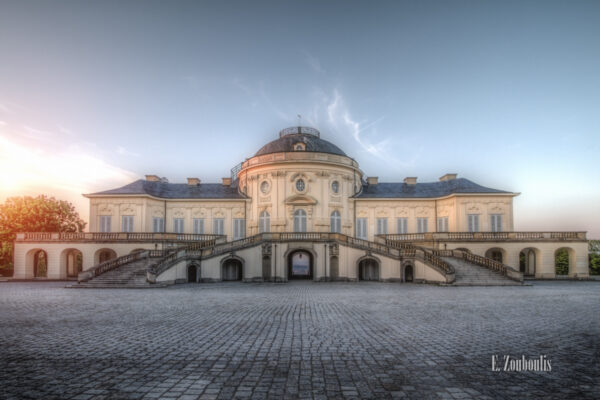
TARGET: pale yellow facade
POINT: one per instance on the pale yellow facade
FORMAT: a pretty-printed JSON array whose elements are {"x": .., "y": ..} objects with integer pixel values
[{"x": 303, "y": 190}]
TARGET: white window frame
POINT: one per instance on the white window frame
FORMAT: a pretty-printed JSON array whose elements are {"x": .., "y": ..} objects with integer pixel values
[
  {"x": 402, "y": 225},
  {"x": 422, "y": 225},
  {"x": 264, "y": 222},
  {"x": 473, "y": 222},
  {"x": 178, "y": 225},
  {"x": 496, "y": 222},
  {"x": 158, "y": 224},
  {"x": 336, "y": 222},
  {"x": 382, "y": 225},
  {"x": 219, "y": 226},
  {"x": 126, "y": 223},
  {"x": 300, "y": 220},
  {"x": 442, "y": 224},
  {"x": 239, "y": 228},
  {"x": 362, "y": 228},
  {"x": 198, "y": 224},
  {"x": 105, "y": 223}
]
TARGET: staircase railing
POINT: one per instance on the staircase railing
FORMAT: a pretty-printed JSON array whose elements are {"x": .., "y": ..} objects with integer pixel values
[
  {"x": 390, "y": 249},
  {"x": 110, "y": 265},
  {"x": 490, "y": 264}
]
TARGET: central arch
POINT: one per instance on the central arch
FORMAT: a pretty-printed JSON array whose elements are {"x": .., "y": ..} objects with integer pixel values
[
  {"x": 368, "y": 269},
  {"x": 300, "y": 265},
  {"x": 232, "y": 269}
]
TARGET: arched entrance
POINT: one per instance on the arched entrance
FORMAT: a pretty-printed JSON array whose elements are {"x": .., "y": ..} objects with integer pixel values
[
  {"x": 564, "y": 261},
  {"x": 37, "y": 261},
  {"x": 192, "y": 273},
  {"x": 528, "y": 261},
  {"x": 368, "y": 269},
  {"x": 104, "y": 255},
  {"x": 231, "y": 270},
  {"x": 71, "y": 262},
  {"x": 409, "y": 273},
  {"x": 496, "y": 254},
  {"x": 300, "y": 265}
]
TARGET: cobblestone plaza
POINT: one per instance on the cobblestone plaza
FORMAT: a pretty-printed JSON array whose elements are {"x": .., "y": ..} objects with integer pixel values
[{"x": 297, "y": 340}]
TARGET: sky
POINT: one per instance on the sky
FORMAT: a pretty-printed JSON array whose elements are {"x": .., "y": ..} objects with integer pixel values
[{"x": 94, "y": 95}]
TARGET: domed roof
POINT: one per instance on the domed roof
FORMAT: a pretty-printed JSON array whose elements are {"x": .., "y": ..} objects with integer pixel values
[{"x": 289, "y": 139}]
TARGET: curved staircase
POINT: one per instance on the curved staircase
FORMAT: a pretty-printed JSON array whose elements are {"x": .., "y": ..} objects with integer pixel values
[{"x": 469, "y": 274}]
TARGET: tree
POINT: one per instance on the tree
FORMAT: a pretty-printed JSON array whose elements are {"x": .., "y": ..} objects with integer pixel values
[
  {"x": 594, "y": 250},
  {"x": 34, "y": 214},
  {"x": 561, "y": 262}
]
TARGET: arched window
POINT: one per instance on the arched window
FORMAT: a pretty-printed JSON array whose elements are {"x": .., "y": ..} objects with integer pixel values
[
  {"x": 264, "y": 222},
  {"x": 336, "y": 222},
  {"x": 300, "y": 221}
]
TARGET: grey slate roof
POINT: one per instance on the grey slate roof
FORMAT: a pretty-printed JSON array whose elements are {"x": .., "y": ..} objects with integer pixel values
[
  {"x": 176, "y": 190},
  {"x": 386, "y": 190},
  {"x": 313, "y": 144}
]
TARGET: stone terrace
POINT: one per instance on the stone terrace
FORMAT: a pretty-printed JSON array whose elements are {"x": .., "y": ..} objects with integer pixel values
[{"x": 297, "y": 340}]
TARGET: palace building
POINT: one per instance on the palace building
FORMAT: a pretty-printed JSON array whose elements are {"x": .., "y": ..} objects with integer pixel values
[{"x": 299, "y": 208}]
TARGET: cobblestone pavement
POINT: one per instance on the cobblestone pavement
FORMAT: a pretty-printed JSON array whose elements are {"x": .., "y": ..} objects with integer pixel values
[{"x": 297, "y": 340}]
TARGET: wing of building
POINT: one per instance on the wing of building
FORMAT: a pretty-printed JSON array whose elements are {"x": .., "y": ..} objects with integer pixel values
[{"x": 300, "y": 208}]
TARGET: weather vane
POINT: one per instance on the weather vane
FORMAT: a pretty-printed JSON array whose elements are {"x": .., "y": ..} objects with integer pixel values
[{"x": 299, "y": 120}]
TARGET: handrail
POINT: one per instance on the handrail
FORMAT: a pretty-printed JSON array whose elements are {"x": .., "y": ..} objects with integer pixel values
[
  {"x": 111, "y": 264},
  {"x": 482, "y": 236},
  {"x": 490, "y": 264}
]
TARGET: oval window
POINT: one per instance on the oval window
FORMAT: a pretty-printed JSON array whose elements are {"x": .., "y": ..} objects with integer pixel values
[
  {"x": 264, "y": 187},
  {"x": 300, "y": 185},
  {"x": 335, "y": 186}
]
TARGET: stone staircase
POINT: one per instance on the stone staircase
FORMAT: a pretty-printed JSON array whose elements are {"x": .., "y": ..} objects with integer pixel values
[
  {"x": 469, "y": 274},
  {"x": 130, "y": 275}
]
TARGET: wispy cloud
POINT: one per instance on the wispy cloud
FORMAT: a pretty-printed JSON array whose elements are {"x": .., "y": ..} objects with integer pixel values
[{"x": 313, "y": 62}]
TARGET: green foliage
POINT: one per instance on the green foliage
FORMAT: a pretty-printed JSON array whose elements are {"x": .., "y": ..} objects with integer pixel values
[
  {"x": 561, "y": 262},
  {"x": 594, "y": 260},
  {"x": 34, "y": 214}
]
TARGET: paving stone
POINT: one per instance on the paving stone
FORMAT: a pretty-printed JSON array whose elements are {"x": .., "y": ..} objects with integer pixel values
[{"x": 297, "y": 340}]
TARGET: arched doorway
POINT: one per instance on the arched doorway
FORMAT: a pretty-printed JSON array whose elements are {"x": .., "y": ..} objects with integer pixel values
[
  {"x": 496, "y": 254},
  {"x": 368, "y": 269},
  {"x": 266, "y": 268},
  {"x": 104, "y": 255},
  {"x": 231, "y": 270},
  {"x": 409, "y": 273},
  {"x": 192, "y": 273},
  {"x": 300, "y": 265},
  {"x": 71, "y": 262},
  {"x": 334, "y": 267},
  {"x": 40, "y": 264},
  {"x": 564, "y": 261},
  {"x": 528, "y": 261}
]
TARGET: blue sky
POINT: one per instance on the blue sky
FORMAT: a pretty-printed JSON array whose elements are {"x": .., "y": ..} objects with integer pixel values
[{"x": 504, "y": 93}]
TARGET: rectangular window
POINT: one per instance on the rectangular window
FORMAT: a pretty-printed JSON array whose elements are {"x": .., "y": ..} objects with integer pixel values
[
  {"x": 127, "y": 223},
  {"x": 178, "y": 225},
  {"x": 198, "y": 225},
  {"x": 105, "y": 223},
  {"x": 442, "y": 224},
  {"x": 361, "y": 228},
  {"x": 473, "y": 222},
  {"x": 422, "y": 225},
  {"x": 158, "y": 225},
  {"x": 219, "y": 226},
  {"x": 239, "y": 228},
  {"x": 402, "y": 225},
  {"x": 496, "y": 222},
  {"x": 382, "y": 226}
]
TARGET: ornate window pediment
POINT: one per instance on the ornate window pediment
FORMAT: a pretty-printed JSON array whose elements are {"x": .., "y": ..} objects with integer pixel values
[{"x": 301, "y": 200}]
